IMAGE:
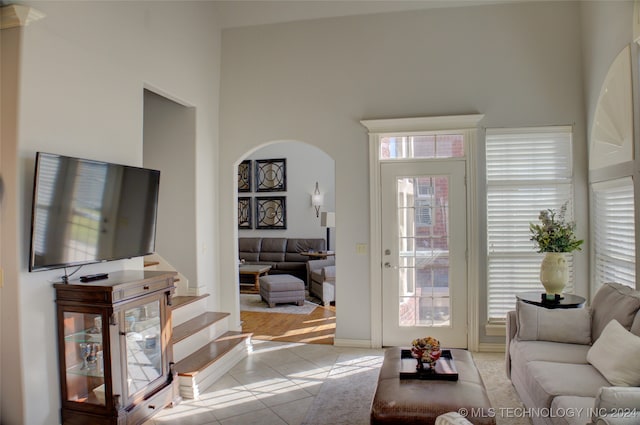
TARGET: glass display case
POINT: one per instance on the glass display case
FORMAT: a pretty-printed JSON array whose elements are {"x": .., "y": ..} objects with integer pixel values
[{"x": 115, "y": 353}]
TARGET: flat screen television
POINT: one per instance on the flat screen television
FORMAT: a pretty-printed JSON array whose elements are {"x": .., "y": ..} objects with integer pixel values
[{"x": 87, "y": 211}]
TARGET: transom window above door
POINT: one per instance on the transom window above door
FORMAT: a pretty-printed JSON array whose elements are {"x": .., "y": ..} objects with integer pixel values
[{"x": 424, "y": 146}]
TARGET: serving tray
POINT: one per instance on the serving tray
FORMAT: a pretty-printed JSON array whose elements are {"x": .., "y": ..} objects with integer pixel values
[{"x": 445, "y": 369}]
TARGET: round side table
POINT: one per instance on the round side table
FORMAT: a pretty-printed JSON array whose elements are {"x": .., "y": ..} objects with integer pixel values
[{"x": 539, "y": 299}]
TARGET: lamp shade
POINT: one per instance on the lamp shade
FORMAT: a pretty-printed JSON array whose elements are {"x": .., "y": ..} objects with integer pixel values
[{"x": 328, "y": 219}]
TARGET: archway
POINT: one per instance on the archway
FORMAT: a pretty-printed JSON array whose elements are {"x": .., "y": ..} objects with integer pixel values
[{"x": 276, "y": 184}]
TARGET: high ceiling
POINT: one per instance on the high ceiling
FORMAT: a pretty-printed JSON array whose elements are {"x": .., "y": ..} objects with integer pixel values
[{"x": 239, "y": 13}]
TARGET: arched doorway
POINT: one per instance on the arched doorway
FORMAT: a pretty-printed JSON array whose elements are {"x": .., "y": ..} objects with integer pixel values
[{"x": 276, "y": 187}]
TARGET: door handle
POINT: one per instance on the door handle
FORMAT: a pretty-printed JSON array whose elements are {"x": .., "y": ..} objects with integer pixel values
[{"x": 388, "y": 265}]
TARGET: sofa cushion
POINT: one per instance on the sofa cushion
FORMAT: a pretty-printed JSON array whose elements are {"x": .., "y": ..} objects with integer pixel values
[
  {"x": 613, "y": 301},
  {"x": 571, "y": 410},
  {"x": 635, "y": 327},
  {"x": 526, "y": 351},
  {"x": 292, "y": 265},
  {"x": 572, "y": 326},
  {"x": 546, "y": 380},
  {"x": 249, "y": 249},
  {"x": 272, "y": 249},
  {"x": 296, "y": 246},
  {"x": 615, "y": 355}
]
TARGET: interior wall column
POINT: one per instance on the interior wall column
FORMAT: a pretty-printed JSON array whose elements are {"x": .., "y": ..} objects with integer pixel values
[{"x": 13, "y": 19}]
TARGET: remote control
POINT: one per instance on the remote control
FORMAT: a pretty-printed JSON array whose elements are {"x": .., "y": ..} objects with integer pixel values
[{"x": 92, "y": 277}]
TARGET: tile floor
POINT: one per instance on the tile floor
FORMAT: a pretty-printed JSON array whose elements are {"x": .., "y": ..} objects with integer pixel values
[{"x": 275, "y": 385}]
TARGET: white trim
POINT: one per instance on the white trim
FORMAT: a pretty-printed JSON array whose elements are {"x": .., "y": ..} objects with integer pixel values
[
  {"x": 17, "y": 15},
  {"x": 495, "y": 329},
  {"x": 377, "y": 129},
  {"x": 636, "y": 21},
  {"x": 402, "y": 125},
  {"x": 533, "y": 130},
  {"x": 356, "y": 343},
  {"x": 489, "y": 347},
  {"x": 375, "y": 240},
  {"x": 471, "y": 138}
]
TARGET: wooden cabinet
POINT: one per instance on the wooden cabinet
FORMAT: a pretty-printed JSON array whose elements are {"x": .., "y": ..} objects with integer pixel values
[{"x": 114, "y": 343}]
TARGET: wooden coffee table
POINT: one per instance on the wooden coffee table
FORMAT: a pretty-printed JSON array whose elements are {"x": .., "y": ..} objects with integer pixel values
[{"x": 255, "y": 270}]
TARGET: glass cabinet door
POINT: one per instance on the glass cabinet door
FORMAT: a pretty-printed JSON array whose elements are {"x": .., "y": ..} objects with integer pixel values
[
  {"x": 144, "y": 348},
  {"x": 84, "y": 362}
]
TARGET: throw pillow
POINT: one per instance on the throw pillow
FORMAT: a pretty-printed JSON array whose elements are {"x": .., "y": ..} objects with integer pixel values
[
  {"x": 535, "y": 323},
  {"x": 613, "y": 301},
  {"x": 615, "y": 355}
]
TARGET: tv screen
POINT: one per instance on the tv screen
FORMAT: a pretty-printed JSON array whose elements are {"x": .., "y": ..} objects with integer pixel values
[{"x": 88, "y": 211}]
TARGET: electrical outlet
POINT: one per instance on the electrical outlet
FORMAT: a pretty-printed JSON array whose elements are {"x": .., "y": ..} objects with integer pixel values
[{"x": 361, "y": 248}]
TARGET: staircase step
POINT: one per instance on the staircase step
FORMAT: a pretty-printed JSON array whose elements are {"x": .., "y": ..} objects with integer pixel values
[
  {"x": 196, "y": 324},
  {"x": 182, "y": 300},
  {"x": 187, "y": 307},
  {"x": 203, "y": 367}
]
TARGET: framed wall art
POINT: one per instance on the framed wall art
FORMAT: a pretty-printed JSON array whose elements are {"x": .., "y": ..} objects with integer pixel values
[
  {"x": 244, "y": 176},
  {"x": 245, "y": 216},
  {"x": 271, "y": 212},
  {"x": 271, "y": 175}
]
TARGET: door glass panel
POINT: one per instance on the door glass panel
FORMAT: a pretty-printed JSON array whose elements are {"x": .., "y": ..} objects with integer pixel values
[
  {"x": 144, "y": 349},
  {"x": 84, "y": 362},
  {"x": 423, "y": 266}
]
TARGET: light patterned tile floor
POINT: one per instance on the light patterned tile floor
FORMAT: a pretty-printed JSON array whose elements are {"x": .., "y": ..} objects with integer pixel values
[{"x": 275, "y": 385}]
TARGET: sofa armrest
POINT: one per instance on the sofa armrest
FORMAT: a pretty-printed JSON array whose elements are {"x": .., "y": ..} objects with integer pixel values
[
  {"x": 319, "y": 264},
  {"x": 511, "y": 331},
  {"x": 617, "y": 405},
  {"x": 329, "y": 273}
]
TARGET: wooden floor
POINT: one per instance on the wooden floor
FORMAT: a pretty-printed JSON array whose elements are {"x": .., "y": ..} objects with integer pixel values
[{"x": 315, "y": 328}]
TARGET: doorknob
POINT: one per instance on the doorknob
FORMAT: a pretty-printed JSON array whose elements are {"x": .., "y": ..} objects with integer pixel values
[{"x": 387, "y": 264}]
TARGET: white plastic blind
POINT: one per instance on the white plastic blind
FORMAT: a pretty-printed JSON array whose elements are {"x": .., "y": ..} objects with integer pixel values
[
  {"x": 528, "y": 170},
  {"x": 614, "y": 224}
]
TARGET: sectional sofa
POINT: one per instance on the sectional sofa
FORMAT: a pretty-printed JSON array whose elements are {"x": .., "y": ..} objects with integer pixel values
[
  {"x": 578, "y": 366},
  {"x": 282, "y": 254}
]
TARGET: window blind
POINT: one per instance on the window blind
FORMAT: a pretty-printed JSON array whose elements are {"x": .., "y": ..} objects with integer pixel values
[
  {"x": 614, "y": 231},
  {"x": 528, "y": 170}
]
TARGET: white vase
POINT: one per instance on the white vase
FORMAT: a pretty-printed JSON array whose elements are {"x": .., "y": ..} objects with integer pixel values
[{"x": 553, "y": 273}]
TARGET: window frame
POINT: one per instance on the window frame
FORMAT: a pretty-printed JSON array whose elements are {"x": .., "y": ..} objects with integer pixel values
[{"x": 524, "y": 252}]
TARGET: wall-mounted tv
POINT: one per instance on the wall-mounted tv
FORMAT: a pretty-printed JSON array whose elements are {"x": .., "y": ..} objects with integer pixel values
[{"x": 87, "y": 211}]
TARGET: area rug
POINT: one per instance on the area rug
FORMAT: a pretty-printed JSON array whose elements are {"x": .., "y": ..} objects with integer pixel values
[
  {"x": 253, "y": 302},
  {"x": 346, "y": 395}
]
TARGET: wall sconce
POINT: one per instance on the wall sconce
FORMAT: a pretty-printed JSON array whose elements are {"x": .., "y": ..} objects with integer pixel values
[{"x": 316, "y": 200}]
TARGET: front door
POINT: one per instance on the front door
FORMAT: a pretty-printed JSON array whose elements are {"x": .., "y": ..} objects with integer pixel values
[{"x": 424, "y": 267}]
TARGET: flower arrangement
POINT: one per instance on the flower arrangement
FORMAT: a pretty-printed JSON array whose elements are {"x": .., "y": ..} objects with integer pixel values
[
  {"x": 426, "y": 350},
  {"x": 555, "y": 234}
]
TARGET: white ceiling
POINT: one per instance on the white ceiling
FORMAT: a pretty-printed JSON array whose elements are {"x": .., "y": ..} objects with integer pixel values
[{"x": 239, "y": 13}]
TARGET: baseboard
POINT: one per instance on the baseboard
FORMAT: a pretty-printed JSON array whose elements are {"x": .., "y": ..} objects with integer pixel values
[
  {"x": 488, "y": 347},
  {"x": 355, "y": 343}
]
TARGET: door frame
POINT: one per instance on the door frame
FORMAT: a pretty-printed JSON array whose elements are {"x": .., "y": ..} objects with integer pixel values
[{"x": 468, "y": 125}]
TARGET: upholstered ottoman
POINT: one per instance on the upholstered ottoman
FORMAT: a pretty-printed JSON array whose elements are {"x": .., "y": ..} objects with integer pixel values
[
  {"x": 281, "y": 288},
  {"x": 417, "y": 401}
]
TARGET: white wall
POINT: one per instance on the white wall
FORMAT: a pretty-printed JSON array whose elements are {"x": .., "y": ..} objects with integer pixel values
[
  {"x": 302, "y": 176},
  {"x": 84, "y": 68},
  {"x": 606, "y": 30},
  {"x": 169, "y": 146},
  {"x": 314, "y": 81}
]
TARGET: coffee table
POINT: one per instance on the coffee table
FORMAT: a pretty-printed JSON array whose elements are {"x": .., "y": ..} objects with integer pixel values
[
  {"x": 255, "y": 270},
  {"x": 419, "y": 401}
]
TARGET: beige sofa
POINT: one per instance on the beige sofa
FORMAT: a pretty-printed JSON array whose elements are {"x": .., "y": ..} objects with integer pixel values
[
  {"x": 578, "y": 366},
  {"x": 322, "y": 284}
]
